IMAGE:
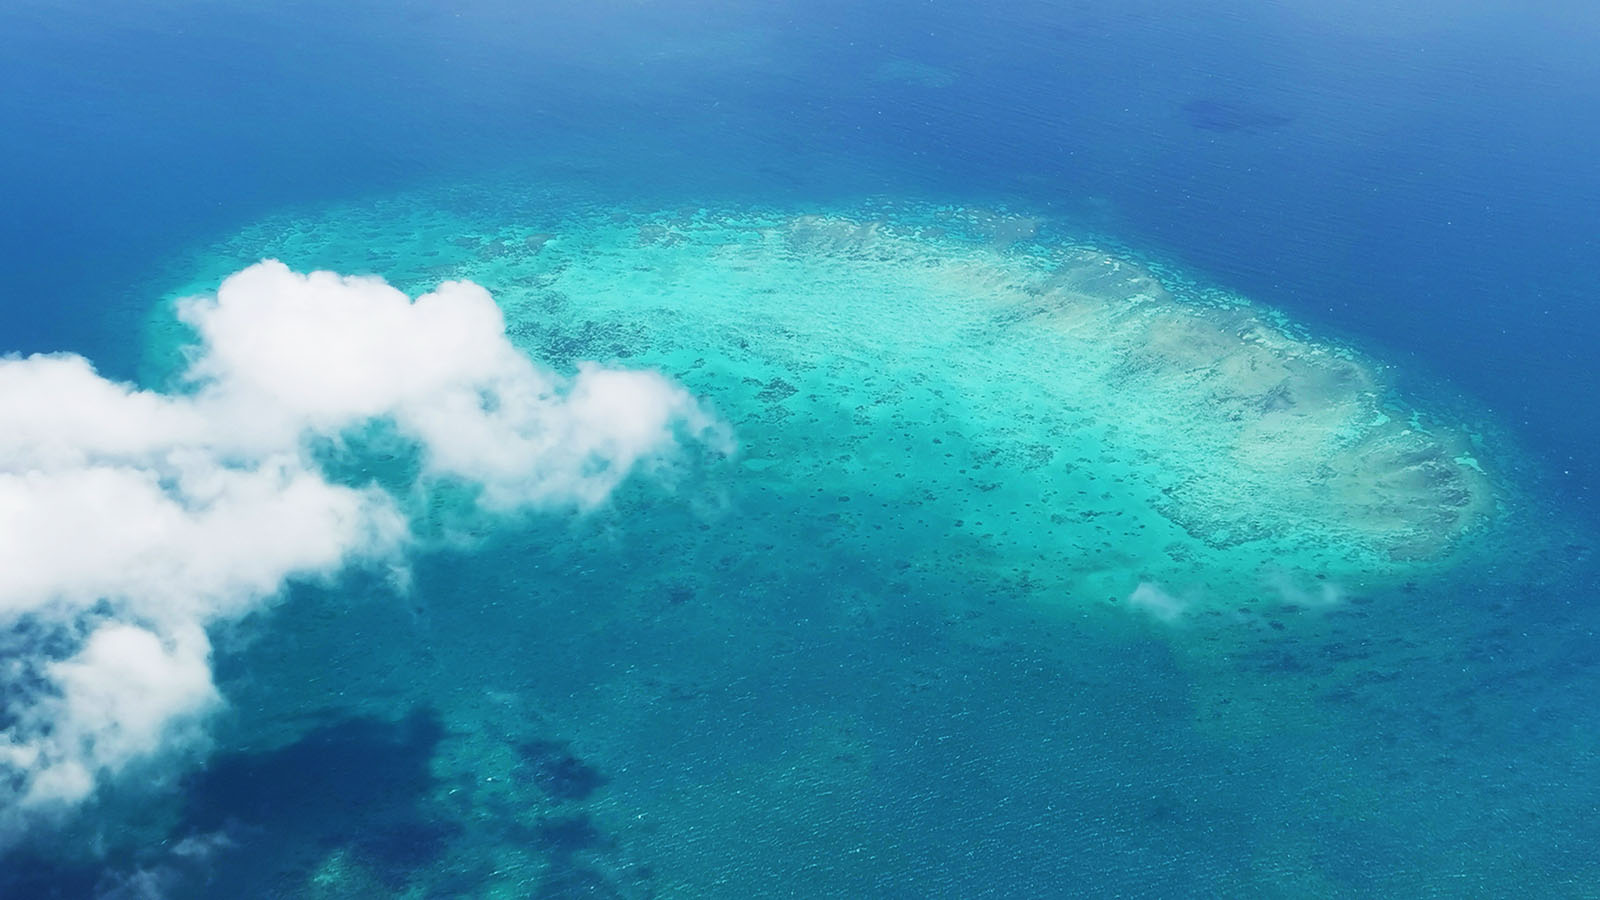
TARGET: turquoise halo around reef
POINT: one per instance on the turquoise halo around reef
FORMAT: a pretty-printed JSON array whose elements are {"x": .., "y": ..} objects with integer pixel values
[{"x": 1036, "y": 564}]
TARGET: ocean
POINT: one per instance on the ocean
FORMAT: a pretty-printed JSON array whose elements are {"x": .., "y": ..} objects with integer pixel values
[{"x": 894, "y": 449}]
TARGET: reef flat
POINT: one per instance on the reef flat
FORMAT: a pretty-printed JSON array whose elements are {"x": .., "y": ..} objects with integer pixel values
[
  {"x": 1011, "y": 514},
  {"x": 1052, "y": 402}
]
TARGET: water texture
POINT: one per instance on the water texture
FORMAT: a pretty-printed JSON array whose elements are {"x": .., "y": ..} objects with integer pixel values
[{"x": 896, "y": 451}]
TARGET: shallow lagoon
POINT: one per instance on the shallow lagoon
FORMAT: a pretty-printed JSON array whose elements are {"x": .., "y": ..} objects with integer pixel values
[
  {"x": 1026, "y": 577},
  {"x": 1037, "y": 565}
]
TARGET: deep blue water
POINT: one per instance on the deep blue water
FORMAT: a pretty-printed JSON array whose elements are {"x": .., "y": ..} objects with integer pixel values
[
  {"x": 1420, "y": 178},
  {"x": 1422, "y": 181}
]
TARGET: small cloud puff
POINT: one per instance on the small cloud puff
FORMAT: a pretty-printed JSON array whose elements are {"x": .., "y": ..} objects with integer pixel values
[
  {"x": 1156, "y": 603},
  {"x": 130, "y": 520},
  {"x": 120, "y": 698},
  {"x": 1289, "y": 591}
]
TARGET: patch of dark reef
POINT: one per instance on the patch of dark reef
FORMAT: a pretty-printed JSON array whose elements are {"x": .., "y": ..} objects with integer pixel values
[{"x": 556, "y": 771}]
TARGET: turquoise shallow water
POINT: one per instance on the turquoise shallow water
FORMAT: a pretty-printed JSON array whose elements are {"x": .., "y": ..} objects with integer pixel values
[
  {"x": 1152, "y": 454},
  {"x": 1028, "y": 577}
]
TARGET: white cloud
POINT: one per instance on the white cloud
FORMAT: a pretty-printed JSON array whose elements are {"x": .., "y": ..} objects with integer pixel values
[
  {"x": 1325, "y": 594},
  {"x": 183, "y": 538},
  {"x": 121, "y": 696},
  {"x": 131, "y": 520},
  {"x": 1157, "y": 603}
]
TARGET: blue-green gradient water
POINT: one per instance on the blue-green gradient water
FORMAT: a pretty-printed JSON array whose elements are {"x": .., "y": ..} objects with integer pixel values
[{"x": 1163, "y": 456}]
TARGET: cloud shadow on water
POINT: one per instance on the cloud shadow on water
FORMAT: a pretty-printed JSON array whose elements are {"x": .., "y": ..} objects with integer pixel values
[
  {"x": 257, "y": 823},
  {"x": 361, "y": 784}
]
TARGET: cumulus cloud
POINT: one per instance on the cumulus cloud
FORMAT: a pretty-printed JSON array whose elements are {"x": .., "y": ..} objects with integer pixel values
[
  {"x": 118, "y": 698},
  {"x": 130, "y": 520}
]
